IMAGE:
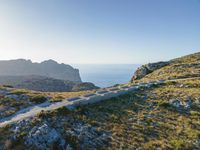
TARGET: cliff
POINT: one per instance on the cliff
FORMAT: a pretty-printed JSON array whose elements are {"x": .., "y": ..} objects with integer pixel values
[{"x": 49, "y": 68}]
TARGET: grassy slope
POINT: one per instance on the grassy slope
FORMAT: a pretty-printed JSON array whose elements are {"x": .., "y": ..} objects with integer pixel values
[
  {"x": 145, "y": 119},
  {"x": 187, "y": 66},
  {"x": 10, "y": 106}
]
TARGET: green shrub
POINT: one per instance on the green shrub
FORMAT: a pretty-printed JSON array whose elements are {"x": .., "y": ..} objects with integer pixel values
[
  {"x": 170, "y": 83},
  {"x": 38, "y": 99},
  {"x": 63, "y": 111},
  {"x": 57, "y": 99},
  {"x": 180, "y": 144},
  {"x": 164, "y": 104}
]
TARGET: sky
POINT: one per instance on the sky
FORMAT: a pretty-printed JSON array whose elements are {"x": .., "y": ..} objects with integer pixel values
[{"x": 99, "y": 31}]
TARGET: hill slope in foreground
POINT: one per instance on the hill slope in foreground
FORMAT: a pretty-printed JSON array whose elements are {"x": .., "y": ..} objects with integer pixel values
[{"x": 165, "y": 116}]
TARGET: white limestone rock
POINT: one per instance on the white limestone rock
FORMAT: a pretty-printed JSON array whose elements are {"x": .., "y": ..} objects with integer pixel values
[{"x": 43, "y": 136}]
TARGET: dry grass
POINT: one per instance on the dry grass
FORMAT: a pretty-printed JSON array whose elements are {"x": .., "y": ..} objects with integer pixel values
[{"x": 137, "y": 120}]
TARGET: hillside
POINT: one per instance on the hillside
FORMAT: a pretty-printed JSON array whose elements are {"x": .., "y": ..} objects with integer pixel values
[
  {"x": 164, "y": 116},
  {"x": 49, "y": 68},
  {"x": 44, "y": 84},
  {"x": 183, "y": 67}
]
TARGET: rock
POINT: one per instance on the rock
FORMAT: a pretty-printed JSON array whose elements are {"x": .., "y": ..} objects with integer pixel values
[
  {"x": 181, "y": 85},
  {"x": 148, "y": 68},
  {"x": 43, "y": 136},
  {"x": 179, "y": 104},
  {"x": 88, "y": 136},
  {"x": 69, "y": 147},
  {"x": 188, "y": 102},
  {"x": 197, "y": 100},
  {"x": 13, "y": 96},
  {"x": 175, "y": 102}
]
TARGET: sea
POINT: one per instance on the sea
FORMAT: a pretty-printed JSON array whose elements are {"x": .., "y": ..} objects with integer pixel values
[{"x": 105, "y": 75}]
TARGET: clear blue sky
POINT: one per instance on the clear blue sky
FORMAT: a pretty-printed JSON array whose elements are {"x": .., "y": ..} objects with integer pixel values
[{"x": 99, "y": 31}]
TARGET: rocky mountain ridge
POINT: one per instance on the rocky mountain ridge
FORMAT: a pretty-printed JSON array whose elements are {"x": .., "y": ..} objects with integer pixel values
[{"x": 48, "y": 68}]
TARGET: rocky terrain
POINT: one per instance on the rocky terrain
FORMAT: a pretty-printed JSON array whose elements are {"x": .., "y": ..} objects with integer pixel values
[
  {"x": 164, "y": 116},
  {"x": 44, "y": 84},
  {"x": 13, "y": 100},
  {"x": 49, "y": 68},
  {"x": 187, "y": 66},
  {"x": 47, "y": 76}
]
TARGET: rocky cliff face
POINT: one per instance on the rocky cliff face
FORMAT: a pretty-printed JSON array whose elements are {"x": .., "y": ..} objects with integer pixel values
[
  {"x": 148, "y": 68},
  {"x": 49, "y": 68}
]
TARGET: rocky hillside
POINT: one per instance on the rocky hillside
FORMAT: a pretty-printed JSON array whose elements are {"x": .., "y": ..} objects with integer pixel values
[
  {"x": 44, "y": 84},
  {"x": 49, "y": 68},
  {"x": 160, "y": 117},
  {"x": 187, "y": 66}
]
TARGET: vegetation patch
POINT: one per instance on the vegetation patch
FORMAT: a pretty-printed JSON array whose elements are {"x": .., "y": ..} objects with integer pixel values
[
  {"x": 38, "y": 99},
  {"x": 20, "y": 91}
]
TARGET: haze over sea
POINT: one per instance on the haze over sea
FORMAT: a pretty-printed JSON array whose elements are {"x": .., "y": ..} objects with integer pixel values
[{"x": 104, "y": 75}]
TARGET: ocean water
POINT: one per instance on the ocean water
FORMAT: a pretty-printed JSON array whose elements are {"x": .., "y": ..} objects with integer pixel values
[{"x": 107, "y": 74}]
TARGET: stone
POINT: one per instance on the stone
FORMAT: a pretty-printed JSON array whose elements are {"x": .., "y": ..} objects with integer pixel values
[
  {"x": 69, "y": 147},
  {"x": 13, "y": 96},
  {"x": 175, "y": 102},
  {"x": 43, "y": 136}
]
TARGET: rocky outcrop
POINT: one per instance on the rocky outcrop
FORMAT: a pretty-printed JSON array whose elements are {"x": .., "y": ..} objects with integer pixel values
[
  {"x": 148, "y": 68},
  {"x": 88, "y": 136},
  {"x": 49, "y": 68},
  {"x": 63, "y": 132},
  {"x": 43, "y": 136}
]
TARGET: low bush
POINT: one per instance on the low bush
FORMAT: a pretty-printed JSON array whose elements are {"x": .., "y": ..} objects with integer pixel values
[
  {"x": 164, "y": 104},
  {"x": 8, "y": 86},
  {"x": 38, "y": 99},
  {"x": 57, "y": 99},
  {"x": 63, "y": 111},
  {"x": 180, "y": 144}
]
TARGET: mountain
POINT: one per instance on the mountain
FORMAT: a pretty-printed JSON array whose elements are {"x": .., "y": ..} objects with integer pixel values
[
  {"x": 47, "y": 76},
  {"x": 49, "y": 68}
]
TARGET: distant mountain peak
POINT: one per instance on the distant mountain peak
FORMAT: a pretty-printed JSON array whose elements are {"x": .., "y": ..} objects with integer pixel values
[
  {"x": 48, "y": 68},
  {"x": 50, "y": 61}
]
